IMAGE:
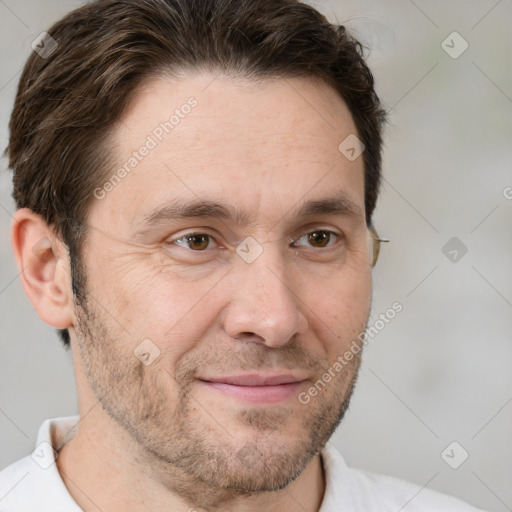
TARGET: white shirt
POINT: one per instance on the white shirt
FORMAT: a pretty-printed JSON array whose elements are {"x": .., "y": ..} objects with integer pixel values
[{"x": 33, "y": 484}]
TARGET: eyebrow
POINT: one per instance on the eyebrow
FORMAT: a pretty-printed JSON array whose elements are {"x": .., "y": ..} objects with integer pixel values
[{"x": 338, "y": 204}]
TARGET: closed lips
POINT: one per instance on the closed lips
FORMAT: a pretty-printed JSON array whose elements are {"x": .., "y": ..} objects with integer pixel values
[{"x": 256, "y": 380}]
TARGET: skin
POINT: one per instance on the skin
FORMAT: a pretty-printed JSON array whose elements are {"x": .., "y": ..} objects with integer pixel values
[{"x": 154, "y": 437}]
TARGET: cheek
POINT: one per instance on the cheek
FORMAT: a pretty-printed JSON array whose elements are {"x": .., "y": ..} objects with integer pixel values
[
  {"x": 173, "y": 312},
  {"x": 338, "y": 308}
]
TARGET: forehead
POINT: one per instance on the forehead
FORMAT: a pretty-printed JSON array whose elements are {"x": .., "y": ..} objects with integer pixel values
[{"x": 264, "y": 145}]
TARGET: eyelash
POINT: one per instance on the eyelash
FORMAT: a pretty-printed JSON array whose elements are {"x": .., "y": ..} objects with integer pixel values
[{"x": 187, "y": 236}]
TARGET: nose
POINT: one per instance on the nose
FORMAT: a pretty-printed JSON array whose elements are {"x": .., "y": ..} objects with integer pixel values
[{"x": 264, "y": 306}]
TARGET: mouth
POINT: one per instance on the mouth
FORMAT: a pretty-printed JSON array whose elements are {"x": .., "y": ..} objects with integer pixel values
[{"x": 256, "y": 388}]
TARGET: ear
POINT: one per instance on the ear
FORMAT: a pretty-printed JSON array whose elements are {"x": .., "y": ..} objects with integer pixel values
[{"x": 43, "y": 262}]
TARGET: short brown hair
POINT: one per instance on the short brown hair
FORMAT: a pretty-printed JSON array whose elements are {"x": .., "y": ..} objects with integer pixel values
[{"x": 67, "y": 103}]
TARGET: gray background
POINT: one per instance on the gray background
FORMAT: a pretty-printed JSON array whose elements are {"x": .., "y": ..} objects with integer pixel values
[{"x": 440, "y": 371}]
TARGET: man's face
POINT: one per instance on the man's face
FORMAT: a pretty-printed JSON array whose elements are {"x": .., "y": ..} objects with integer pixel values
[{"x": 216, "y": 322}]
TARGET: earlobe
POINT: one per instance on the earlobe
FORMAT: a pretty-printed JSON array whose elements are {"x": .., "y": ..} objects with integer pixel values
[{"x": 43, "y": 264}]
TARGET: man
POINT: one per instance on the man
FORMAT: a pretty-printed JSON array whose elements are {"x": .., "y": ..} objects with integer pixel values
[{"x": 195, "y": 182}]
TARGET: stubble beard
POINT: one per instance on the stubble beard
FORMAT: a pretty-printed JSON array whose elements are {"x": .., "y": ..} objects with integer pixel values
[{"x": 201, "y": 460}]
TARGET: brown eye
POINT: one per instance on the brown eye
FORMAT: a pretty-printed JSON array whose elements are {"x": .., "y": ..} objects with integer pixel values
[
  {"x": 195, "y": 241},
  {"x": 318, "y": 239}
]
